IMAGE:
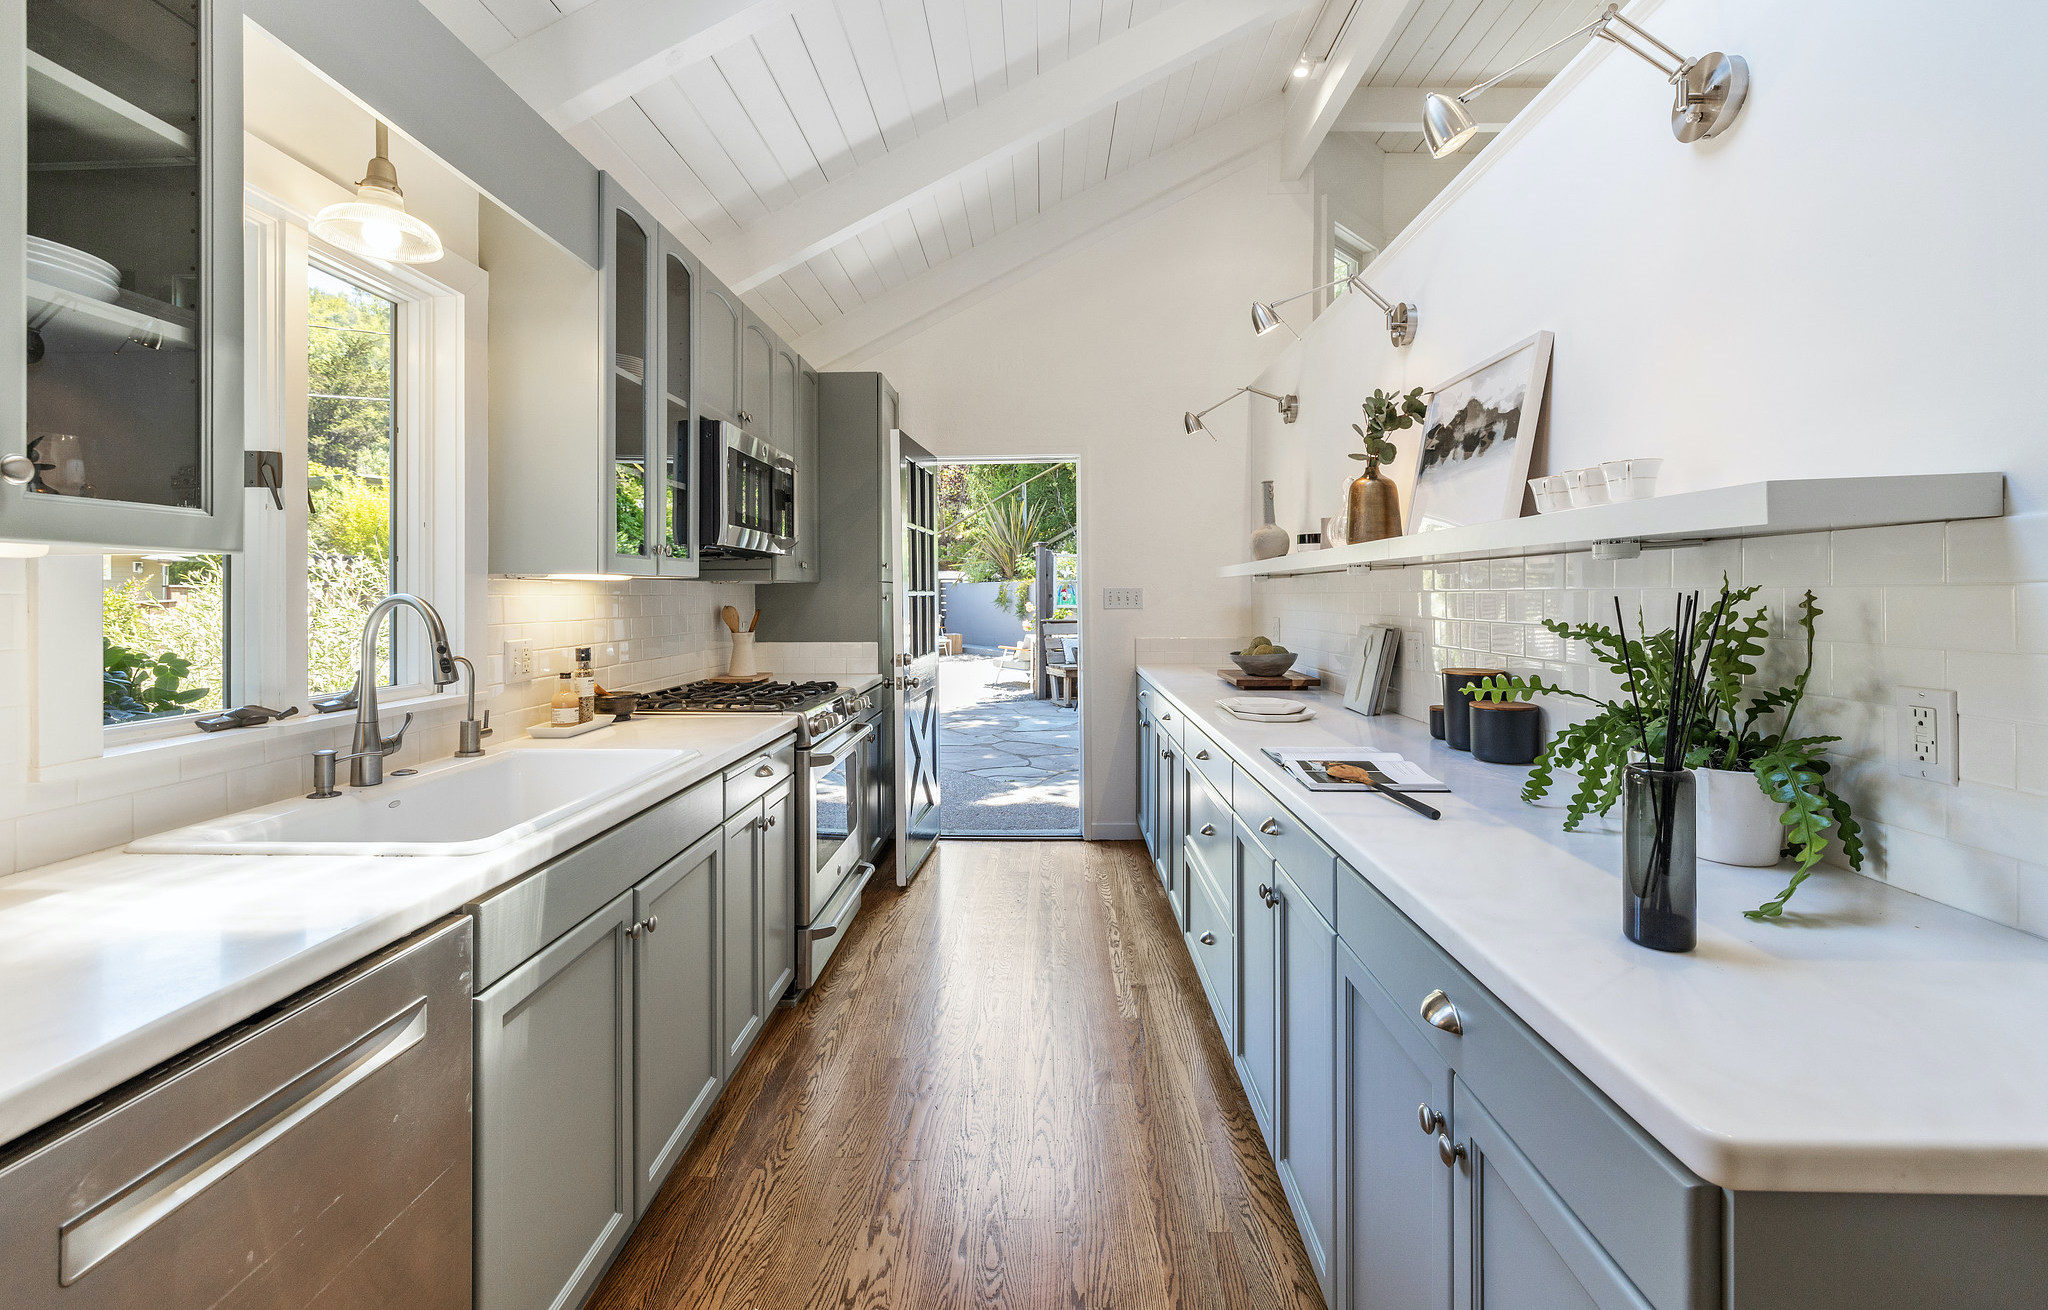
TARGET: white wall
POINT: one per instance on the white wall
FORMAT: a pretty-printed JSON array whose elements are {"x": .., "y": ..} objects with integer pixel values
[
  {"x": 1095, "y": 359},
  {"x": 1845, "y": 282}
]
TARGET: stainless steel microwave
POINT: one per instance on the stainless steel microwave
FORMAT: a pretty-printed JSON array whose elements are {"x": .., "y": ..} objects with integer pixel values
[{"x": 746, "y": 502}]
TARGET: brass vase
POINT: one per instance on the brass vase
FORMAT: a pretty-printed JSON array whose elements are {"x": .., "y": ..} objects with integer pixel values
[{"x": 1373, "y": 507}]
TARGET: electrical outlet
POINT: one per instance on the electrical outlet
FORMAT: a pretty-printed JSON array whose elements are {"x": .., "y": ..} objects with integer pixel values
[
  {"x": 1927, "y": 734},
  {"x": 518, "y": 659},
  {"x": 1123, "y": 598}
]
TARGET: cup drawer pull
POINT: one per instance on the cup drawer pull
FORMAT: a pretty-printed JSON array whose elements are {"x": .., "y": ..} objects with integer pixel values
[{"x": 1438, "y": 1012}]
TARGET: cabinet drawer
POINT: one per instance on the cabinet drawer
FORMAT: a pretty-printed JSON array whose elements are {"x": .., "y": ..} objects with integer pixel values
[
  {"x": 1208, "y": 823},
  {"x": 1165, "y": 717},
  {"x": 1214, "y": 947},
  {"x": 517, "y": 920},
  {"x": 1312, "y": 865},
  {"x": 1659, "y": 1220},
  {"x": 759, "y": 774},
  {"x": 1207, "y": 756}
]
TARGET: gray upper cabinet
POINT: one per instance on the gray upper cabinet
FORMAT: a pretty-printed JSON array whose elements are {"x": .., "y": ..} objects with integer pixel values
[
  {"x": 123, "y": 258},
  {"x": 739, "y": 919},
  {"x": 554, "y": 1117},
  {"x": 783, "y": 370},
  {"x": 757, "y": 384},
  {"x": 674, "y": 481},
  {"x": 778, "y": 896},
  {"x": 719, "y": 319},
  {"x": 677, "y": 1066},
  {"x": 632, "y": 359},
  {"x": 1393, "y": 1192}
]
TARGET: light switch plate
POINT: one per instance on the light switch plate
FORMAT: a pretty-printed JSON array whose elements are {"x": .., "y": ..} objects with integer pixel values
[
  {"x": 1927, "y": 734},
  {"x": 1123, "y": 598},
  {"x": 518, "y": 659}
]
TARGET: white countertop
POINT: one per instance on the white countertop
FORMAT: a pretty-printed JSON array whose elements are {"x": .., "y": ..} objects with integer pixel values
[
  {"x": 1872, "y": 1041},
  {"x": 112, "y": 963}
]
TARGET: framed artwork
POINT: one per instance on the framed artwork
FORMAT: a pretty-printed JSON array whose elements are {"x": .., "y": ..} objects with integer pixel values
[
  {"x": 1476, "y": 440},
  {"x": 1370, "y": 665},
  {"x": 1066, "y": 594}
]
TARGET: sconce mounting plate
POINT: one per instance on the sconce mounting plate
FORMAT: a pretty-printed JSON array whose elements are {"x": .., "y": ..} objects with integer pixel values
[
  {"x": 1401, "y": 322},
  {"x": 1711, "y": 90}
]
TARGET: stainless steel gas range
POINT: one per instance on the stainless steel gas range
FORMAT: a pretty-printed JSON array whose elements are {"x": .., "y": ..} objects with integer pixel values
[{"x": 838, "y": 761}]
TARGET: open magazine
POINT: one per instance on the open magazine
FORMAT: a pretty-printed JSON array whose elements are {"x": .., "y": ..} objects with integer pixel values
[{"x": 1312, "y": 770}]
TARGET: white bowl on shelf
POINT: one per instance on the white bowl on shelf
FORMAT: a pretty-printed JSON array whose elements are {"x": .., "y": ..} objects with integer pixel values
[
  {"x": 1552, "y": 493},
  {"x": 65, "y": 269},
  {"x": 1631, "y": 479},
  {"x": 1588, "y": 487}
]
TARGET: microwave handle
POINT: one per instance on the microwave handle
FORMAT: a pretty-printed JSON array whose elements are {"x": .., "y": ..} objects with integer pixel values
[{"x": 860, "y": 735}]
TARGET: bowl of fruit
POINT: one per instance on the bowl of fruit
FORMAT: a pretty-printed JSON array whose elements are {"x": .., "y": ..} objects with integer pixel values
[{"x": 1262, "y": 659}]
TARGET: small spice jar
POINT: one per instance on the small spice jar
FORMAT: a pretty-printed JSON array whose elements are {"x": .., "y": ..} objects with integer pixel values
[
  {"x": 1436, "y": 722},
  {"x": 1506, "y": 732},
  {"x": 1457, "y": 703}
]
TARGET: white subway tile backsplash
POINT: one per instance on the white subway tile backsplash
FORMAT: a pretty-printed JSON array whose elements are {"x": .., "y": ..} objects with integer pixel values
[{"x": 1923, "y": 606}]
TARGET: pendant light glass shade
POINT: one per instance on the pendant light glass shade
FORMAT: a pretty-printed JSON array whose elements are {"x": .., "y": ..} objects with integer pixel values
[
  {"x": 375, "y": 223},
  {"x": 1445, "y": 124}
]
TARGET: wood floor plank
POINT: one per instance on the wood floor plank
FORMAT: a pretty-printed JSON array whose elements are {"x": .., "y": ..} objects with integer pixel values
[{"x": 1008, "y": 1091}]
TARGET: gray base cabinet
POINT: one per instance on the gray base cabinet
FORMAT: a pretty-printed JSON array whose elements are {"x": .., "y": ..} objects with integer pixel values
[
  {"x": 778, "y": 896},
  {"x": 739, "y": 935},
  {"x": 554, "y": 1117},
  {"x": 1305, "y": 1148},
  {"x": 679, "y": 1058}
]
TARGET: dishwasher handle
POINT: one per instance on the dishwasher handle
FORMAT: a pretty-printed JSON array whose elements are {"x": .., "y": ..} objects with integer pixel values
[{"x": 91, "y": 1237}]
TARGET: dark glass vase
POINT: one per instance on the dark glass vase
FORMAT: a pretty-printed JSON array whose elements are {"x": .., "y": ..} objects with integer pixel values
[{"x": 1659, "y": 867}]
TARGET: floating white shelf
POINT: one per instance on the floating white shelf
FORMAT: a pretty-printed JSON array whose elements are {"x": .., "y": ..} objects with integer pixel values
[
  {"x": 76, "y": 123},
  {"x": 72, "y": 324},
  {"x": 1753, "y": 509}
]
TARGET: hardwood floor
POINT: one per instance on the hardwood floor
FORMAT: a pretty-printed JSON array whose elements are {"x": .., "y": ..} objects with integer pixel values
[{"x": 1008, "y": 1091}]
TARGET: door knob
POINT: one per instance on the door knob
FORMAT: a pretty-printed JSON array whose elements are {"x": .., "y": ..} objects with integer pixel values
[
  {"x": 1448, "y": 1151},
  {"x": 1438, "y": 1012},
  {"x": 1432, "y": 1122}
]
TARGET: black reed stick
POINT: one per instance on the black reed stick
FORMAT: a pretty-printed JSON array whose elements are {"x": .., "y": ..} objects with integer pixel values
[{"x": 1628, "y": 658}]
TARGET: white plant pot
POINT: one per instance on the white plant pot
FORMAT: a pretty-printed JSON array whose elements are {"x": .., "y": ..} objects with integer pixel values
[{"x": 1738, "y": 824}]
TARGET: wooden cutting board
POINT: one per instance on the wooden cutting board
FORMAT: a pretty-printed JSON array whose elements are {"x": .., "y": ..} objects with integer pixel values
[
  {"x": 1285, "y": 682},
  {"x": 750, "y": 677}
]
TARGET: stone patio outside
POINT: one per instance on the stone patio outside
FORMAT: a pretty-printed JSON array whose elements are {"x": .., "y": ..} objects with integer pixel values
[{"x": 1009, "y": 765}]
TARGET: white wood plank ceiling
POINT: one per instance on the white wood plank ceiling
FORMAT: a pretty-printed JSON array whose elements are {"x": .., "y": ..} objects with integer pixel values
[
  {"x": 825, "y": 89},
  {"x": 823, "y": 154}
]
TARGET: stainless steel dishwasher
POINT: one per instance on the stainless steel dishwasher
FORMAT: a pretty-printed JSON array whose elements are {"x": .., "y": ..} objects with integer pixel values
[{"x": 316, "y": 1154}]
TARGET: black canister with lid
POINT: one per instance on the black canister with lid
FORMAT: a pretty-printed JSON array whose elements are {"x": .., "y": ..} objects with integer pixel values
[
  {"x": 1458, "y": 705},
  {"x": 1506, "y": 732}
]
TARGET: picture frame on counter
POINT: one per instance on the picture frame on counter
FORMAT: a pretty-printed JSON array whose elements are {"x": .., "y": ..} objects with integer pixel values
[{"x": 1473, "y": 466}]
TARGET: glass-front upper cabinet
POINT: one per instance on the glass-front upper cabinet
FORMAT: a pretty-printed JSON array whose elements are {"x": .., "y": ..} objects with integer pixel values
[
  {"x": 632, "y": 335},
  {"x": 678, "y": 440},
  {"x": 126, "y": 426}
]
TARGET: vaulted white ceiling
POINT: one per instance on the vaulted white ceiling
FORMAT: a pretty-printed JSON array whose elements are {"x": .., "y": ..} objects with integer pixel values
[{"x": 854, "y": 167}]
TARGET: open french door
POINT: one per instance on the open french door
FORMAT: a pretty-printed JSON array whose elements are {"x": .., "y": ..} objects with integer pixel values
[{"x": 915, "y": 572}]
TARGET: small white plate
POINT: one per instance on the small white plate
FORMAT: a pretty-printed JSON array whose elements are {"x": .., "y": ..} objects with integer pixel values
[{"x": 1262, "y": 704}]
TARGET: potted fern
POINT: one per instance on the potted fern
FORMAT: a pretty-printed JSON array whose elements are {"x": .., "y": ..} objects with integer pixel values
[
  {"x": 1373, "y": 506},
  {"x": 1763, "y": 789}
]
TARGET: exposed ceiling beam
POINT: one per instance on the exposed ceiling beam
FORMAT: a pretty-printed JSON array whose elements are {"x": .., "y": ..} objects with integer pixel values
[
  {"x": 1399, "y": 108},
  {"x": 1124, "y": 64},
  {"x": 949, "y": 287},
  {"x": 1313, "y": 110},
  {"x": 592, "y": 58}
]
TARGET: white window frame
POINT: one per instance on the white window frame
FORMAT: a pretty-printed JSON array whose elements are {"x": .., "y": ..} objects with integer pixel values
[{"x": 438, "y": 519}]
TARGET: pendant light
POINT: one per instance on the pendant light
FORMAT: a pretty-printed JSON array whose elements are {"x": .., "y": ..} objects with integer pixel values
[{"x": 375, "y": 223}]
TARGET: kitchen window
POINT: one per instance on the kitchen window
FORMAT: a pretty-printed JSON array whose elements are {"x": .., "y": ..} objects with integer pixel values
[{"x": 359, "y": 376}]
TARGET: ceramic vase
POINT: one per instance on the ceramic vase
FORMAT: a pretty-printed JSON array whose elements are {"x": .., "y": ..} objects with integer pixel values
[
  {"x": 1738, "y": 823},
  {"x": 742, "y": 665},
  {"x": 1659, "y": 865},
  {"x": 1270, "y": 540},
  {"x": 1372, "y": 507}
]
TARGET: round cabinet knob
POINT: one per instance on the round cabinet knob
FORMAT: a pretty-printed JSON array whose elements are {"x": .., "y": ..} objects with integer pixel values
[
  {"x": 18, "y": 469},
  {"x": 1208, "y": 939},
  {"x": 1432, "y": 1122},
  {"x": 770, "y": 823},
  {"x": 1270, "y": 827},
  {"x": 653, "y": 922},
  {"x": 1438, "y": 1012},
  {"x": 1269, "y": 896},
  {"x": 1448, "y": 1151}
]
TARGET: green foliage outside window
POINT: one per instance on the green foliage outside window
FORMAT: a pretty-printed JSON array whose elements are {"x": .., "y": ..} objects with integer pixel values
[
  {"x": 165, "y": 657},
  {"x": 350, "y": 445}
]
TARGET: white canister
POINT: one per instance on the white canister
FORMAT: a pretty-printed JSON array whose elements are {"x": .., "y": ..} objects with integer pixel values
[
  {"x": 742, "y": 665},
  {"x": 1738, "y": 823}
]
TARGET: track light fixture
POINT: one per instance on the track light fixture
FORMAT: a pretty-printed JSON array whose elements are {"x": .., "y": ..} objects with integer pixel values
[
  {"x": 1290, "y": 409},
  {"x": 1401, "y": 319},
  {"x": 1709, "y": 90}
]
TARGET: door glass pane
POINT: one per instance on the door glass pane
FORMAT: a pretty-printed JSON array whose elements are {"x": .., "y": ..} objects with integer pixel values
[
  {"x": 676, "y": 407},
  {"x": 351, "y": 469},
  {"x": 164, "y": 636},
  {"x": 629, "y": 387},
  {"x": 114, "y": 251}
]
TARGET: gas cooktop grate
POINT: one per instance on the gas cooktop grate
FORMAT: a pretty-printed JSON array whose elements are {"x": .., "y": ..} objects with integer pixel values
[{"x": 727, "y": 697}]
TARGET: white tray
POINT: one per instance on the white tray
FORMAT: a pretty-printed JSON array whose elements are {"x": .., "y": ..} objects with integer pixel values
[{"x": 550, "y": 730}]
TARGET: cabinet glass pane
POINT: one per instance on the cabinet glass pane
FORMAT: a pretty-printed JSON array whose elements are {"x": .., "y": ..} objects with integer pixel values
[
  {"x": 114, "y": 251},
  {"x": 629, "y": 386},
  {"x": 676, "y": 292}
]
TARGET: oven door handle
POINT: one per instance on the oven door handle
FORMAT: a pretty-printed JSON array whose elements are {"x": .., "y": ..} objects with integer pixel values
[
  {"x": 866, "y": 871},
  {"x": 846, "y": 748}
]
